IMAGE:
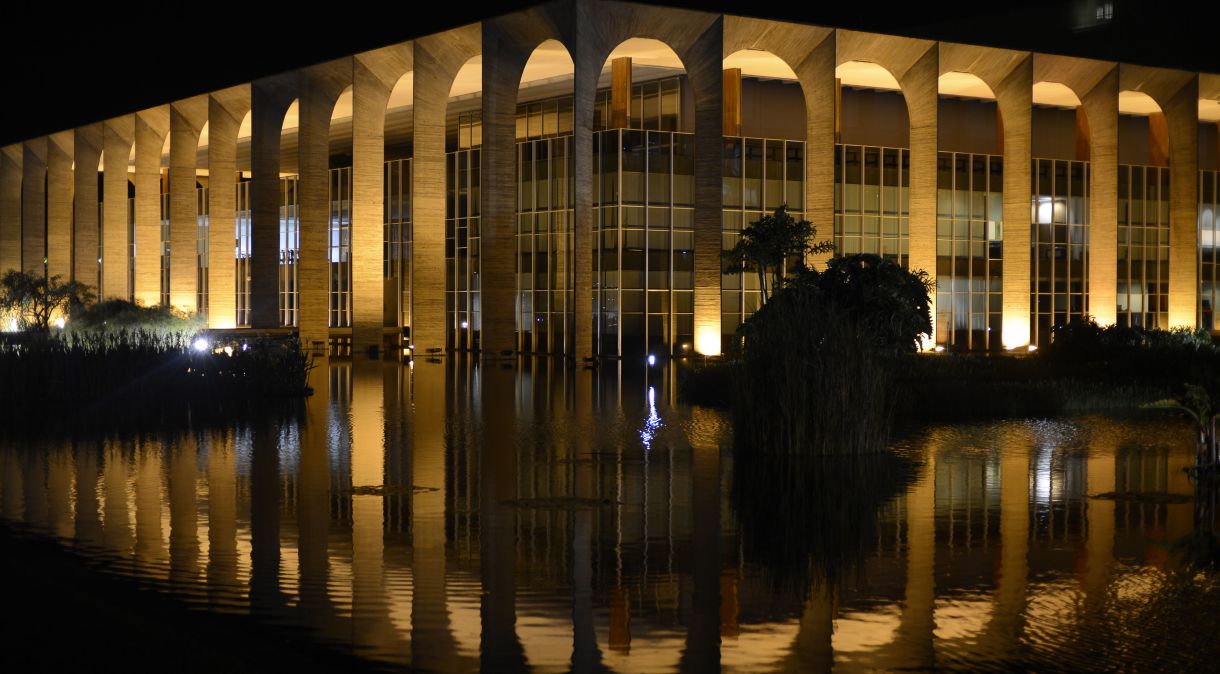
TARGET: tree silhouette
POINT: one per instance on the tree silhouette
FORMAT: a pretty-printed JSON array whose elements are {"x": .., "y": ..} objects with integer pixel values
[{"x": 773, "y": 246}]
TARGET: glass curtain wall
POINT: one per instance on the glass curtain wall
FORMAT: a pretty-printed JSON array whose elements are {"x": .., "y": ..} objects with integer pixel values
[
  {"x": 1059, "y": 273},
  {"x": 397, "y": 256},
  {"x": 760, "y": 175},
  {"x": 969, "y": 250},
  {"x": 872, "y": 201},
  {"x": 1143, "y": 246},
  {"x": 201, "y": 250},
  {"x": 544, "y": 241},
  {"x": 643, "y": 200},
  {"x": 340, "y": 252},
  {"x": 1209, "y": 237},
  {"x": 244, "y": 220},
  {"x": 290, "y": 249},
  {"x": 462, "y": 237}
]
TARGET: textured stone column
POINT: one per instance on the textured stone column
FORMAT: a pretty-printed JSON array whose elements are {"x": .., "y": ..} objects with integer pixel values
[
  {"x": 374, "y": 75},
  {"x": 704, "y": 63},
  {"x": 118, "y": 135},
  {"x": 151, "y": 128},
  {"x": 226, "y": 109},
  {"x": 1003, "y": 632},
  {"x": 320, "y": 88},
  {"x": 1014, "y": 99},
  {"x": 269, "y": 101},
  {"x": 10, "y": 208},
  {"x": 1101, "y": 108},
  {"x": 86, "y": 257},
  {"x": 1182, "y": 115},
  {"x": 186, "y": 120},
  {"x": 586, "y": 68},
  {"x": 502, "y": 67},
  {"x": 33, "y": 206},
  {"x": 920, "y": 88},
  {"x": 59, "y": 205},
  {"x": 222, "y": 512},
  {"x": 437, "y": 59},
  {"x": 913, "y": 646}
]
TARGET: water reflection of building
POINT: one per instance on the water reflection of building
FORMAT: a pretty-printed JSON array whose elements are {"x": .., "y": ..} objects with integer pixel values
[{"x": 369, "y": 522}]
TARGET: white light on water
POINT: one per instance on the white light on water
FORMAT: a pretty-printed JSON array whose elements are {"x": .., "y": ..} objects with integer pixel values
[
  {"x": 200, "y": 344},
  {"x": 653, "y": 423}
]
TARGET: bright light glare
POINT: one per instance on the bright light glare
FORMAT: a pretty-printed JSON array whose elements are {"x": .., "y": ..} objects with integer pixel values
[
  {"x": 228, "y": 351},
  {"x": 653, "y": 423},
  {"x": 465, "y": 325},
  {"x": 652, "y": 360},
  {"x": 1033, "y": 348},
  {"x": 200, "y": 344},
  {"x": 939, "y": 348},
  {"x": 59, "y": 322}
]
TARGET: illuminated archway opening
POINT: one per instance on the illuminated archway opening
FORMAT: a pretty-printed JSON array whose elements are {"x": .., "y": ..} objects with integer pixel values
[
  {"x": 1143, "y": 218},
  {"x": 545, "y": 274},
  {"x": 398, "y": 127},
  {"x": 463, "y": 140}
]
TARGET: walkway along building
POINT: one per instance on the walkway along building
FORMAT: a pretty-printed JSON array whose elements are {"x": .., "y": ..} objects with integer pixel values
[{"x": 563, "y": 180}]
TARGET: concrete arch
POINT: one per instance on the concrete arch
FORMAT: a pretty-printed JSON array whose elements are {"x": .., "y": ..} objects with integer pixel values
[
  {"x": 10, "y": 207},
  {"x": 698, "y": 40},
  {"x": 915, "y": 65},
  {"x": 187, "y": 121},
  {"x": 375, "y": 75},
  {"x": 87, "y": 159},
  {"x": 1009, "y": 74},
  {"x": 33, "y": 206},
  {"x": 1176, "y": 92},
  {"x": 810, "y": 52},
  {"x": 60, "y": 155},
  {"x": 228, "y": 111},
  {"x": 270, "y": 98},
  {"x": 320, "y": 87},
  {"x": 151, "y": 131},
  {"x": 436, "y": 60},
  {"x": 118, "y": 139},
  {"x": 1095, "y": 83}
]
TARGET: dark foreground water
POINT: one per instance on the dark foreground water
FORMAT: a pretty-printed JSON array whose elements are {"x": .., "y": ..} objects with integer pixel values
[{"x": 451, "y": 518}]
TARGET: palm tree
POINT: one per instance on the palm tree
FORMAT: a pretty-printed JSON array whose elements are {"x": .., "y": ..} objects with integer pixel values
[{"x": 773, "y": 246}]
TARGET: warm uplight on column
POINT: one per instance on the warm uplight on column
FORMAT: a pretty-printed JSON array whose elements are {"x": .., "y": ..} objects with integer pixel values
[
  {"x": 1016, "y": 332},
  {"x": 707, "y": 340},
  {"x": 1181, "y": 318}
]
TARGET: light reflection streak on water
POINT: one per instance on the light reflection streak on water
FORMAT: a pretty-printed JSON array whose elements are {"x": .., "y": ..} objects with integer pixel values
[{"x": 370, "y": 509}]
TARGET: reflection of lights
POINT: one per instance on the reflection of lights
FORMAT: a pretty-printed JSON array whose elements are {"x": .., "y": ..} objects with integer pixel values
[
  {"x": 652, "y": 360},
  {"x": 939, "y": 348},
  {"x": 245, "y": 347},
  {"x": 200, "y": 344},
  {"x": 59, "y": 322},
  {"x": 653, "y": 423},
  {"x": 1042, "y": 475},
  {"x": 1033, "y": 348}
]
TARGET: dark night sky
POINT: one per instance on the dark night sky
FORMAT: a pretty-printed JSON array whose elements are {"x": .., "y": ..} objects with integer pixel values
[{"x": 71, "y": 79}]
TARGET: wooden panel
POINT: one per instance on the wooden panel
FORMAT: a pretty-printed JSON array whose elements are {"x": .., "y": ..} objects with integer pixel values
[
  {"x": 732, "y": 102},
  {"x": 1158, "y": 139},
  {"x": 620, "y": 92}
]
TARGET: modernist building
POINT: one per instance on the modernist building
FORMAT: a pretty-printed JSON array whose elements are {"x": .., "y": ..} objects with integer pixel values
[{"x": 563, "y": 180}]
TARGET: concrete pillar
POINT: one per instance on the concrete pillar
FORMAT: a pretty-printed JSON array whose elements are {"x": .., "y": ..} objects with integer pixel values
[
  {"x": 151, "y": 128},
  {"x": 373, "y": 78},
  {"x": 222, "y": 514},
  {"x": 186, "y": 120},
  {"x": 586, "y": 68},
  {"x": 502, "y": 67},
  {"x": 704, "y": 63},
  {"x": 432, "y": 643},
  {"x": 183, "y": 509},
  {"x": 920, "y": 88},
  {"x": 1014, "y": 100},
  {"x": 117, "y": 138},
  {"x": 269, "y": 101},
  {"x": 34, "y": 207},
  {"x": 1101, "y": 108},
  {"x": 320, "y": 87},
  {"x": 1182, "y": 116},
  {"x": 59, "y": 204},
  {"x": 226, "y": 109},
  {"x": 437, "y": 59},
  {"x": 10, "y": 208},
  {"x": 86, "y": 253},
  {"x": 818, "y": 83}
]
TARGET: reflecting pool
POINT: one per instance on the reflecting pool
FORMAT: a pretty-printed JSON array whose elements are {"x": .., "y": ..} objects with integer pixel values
[{"x": 450, "y": 517}]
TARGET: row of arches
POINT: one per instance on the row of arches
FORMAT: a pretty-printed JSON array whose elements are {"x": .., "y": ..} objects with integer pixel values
[{"x": 329, "y": 132}]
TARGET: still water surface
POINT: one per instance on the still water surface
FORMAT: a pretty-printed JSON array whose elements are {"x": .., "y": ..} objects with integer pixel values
[{"x": 450, "y": 518}]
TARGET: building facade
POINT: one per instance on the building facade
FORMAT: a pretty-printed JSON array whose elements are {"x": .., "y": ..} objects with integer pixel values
[{"x": 563, "y": 180}]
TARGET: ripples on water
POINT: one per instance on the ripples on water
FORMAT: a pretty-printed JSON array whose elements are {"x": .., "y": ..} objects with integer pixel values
[{"x": 446, "y": 518}]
